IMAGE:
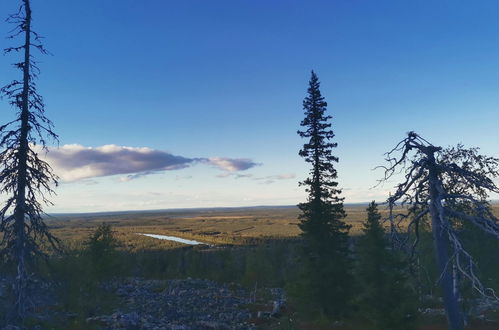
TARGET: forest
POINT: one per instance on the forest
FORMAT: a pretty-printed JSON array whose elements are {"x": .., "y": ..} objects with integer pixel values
[{"x": 422, "y": 258}]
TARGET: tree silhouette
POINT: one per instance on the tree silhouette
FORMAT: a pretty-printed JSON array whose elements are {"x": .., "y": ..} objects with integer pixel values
[
  {"x": 24, "y": 177},
  {"x": 101, "y": 248},
  {"x": 438, "y": 182},
  {"x": 324, "y": 231},
  {"x": 385, "y": 299}
]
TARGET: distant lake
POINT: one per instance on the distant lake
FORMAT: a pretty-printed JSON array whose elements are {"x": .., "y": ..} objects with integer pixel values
[{"x": 173, "y": 238}]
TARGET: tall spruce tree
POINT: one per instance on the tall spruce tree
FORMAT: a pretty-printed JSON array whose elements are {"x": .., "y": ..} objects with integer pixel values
[
  {"x": 324, "y": 231},
  {"x": 385, "y": 299},
  {"x": 25, "y": 179}
]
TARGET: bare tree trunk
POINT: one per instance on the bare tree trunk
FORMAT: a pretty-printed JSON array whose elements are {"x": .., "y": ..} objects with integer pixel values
[
  {"x": 392, "y": 222},
  {"x": 441, "y": 240},
  {"x": 20, "y": 209},
  {"x": 437, "y": 186}
]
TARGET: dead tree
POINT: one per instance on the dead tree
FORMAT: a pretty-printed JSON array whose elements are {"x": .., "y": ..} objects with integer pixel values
[
  {"x": 25, "y": 179},
  {"x": 436, "y": 181}
]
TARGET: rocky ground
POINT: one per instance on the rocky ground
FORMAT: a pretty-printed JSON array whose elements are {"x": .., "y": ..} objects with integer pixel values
[{"x": 189, "y": 304}]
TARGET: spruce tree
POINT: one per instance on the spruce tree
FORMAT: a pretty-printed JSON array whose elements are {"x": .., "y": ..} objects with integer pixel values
[
  {"x": 324, "y": 231},
  {"x": 101, "y": 248},
  {"x": 385, "y": 299}
]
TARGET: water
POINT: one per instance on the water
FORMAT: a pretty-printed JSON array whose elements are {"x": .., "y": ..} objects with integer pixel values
[{"x": 173, "y": 238}]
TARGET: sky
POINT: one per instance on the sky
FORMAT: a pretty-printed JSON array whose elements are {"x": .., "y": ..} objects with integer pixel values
[{"x": 174, "y": 104}]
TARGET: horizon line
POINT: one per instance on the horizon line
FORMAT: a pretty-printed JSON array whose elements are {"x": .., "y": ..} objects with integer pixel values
[{"x": 493, "y": 201}]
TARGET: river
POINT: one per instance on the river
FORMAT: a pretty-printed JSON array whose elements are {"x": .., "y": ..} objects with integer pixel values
[{"x": 173, "y": 238}]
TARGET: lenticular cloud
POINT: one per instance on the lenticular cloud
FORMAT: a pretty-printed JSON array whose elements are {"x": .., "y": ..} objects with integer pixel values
[{"x": 73, "y": 162}]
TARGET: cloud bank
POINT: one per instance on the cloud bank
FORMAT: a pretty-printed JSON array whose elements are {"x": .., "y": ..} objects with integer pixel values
[
  {"x": 73, "y": 162},
  {"x": 273, "y": 178}
]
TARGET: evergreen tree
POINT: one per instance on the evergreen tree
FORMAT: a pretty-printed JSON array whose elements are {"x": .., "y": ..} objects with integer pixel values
[
  {"x": 101, "y": 247},
  {"x": 324, "y": 231},
  {"x": 385, "y": 300},
  {"x": 25, "y": 179}
]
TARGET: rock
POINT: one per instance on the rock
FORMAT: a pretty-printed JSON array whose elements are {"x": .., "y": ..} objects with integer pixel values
[
  {"x": 11, "y": 327},
  {"x": 213, "y": 325},
  {"x": 433, "y": 311},
  {"x": 129, "y": 320},
  {"x": 189, "y": 304},
  {"x": 263, "y": 315},
  {"x": 276, "y": 308}
]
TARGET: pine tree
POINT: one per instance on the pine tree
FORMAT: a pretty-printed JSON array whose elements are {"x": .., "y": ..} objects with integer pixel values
[
  {"x": 24, "y": 177},
  {"x": 324, "y": 231},
  {"x": 385, "y": 300}
]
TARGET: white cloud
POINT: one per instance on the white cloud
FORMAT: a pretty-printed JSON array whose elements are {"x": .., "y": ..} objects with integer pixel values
[
  {"x": 73, "y": 162},
  {"x": 231, "y": 164}
]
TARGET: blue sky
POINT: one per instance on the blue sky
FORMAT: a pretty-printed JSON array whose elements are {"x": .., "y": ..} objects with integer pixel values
[{"x": 207, "y": 79}]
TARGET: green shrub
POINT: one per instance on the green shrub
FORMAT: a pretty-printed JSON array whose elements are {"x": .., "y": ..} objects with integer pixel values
[{"x": 101, "y": 249}]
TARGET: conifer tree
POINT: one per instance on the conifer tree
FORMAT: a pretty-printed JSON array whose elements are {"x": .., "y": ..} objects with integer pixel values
[
  {"x": 385, "y": 300},
  {"x": 25, "y": 179},
  {"x": 324, "y": 231},
  {"x": 101, "y": 248}
]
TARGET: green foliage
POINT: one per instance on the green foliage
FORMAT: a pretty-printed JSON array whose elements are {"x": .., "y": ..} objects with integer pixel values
[
  {"x": 321, "y": 184},
  {"x": 101, "y": 249},
  {"x": 79, "y": 291},
  {"x": 385, "y": 298},
  {"x": 258, "y": 268},
  {"x": 327, "y": 279},
  {"x": 79, "y": 274},
  {"x": 267, "y": 265}
]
